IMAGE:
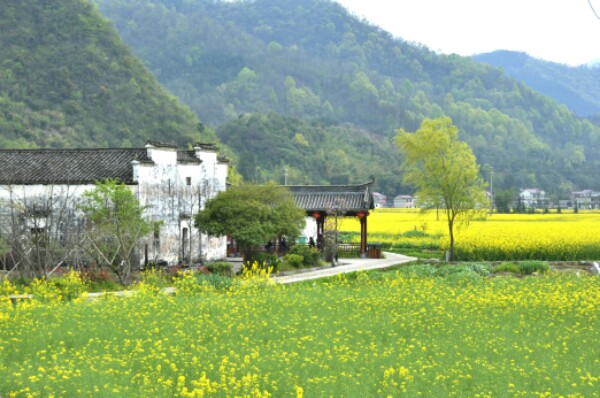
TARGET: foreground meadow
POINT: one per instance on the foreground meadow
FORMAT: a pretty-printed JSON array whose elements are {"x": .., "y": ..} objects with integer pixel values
[
  {"x": 362, "y": 335},
  {"x": 550, "y": 237}
]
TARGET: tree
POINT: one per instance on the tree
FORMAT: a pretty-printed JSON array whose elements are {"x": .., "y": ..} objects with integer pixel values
[
  {"x": 115, "y": 227},
  {"x": 39, "y": 229},
  {"x": 444, "y": 171},
  {"x": 252, "y": 215}
]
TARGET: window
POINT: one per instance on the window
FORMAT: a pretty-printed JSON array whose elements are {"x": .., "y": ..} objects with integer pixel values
[{"x": 188, "y": 180}]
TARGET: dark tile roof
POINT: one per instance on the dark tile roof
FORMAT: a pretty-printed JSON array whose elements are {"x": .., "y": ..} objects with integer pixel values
[
  {"x": 187, "y": 157},
  {"x": 325, "y": 198},
  {"x": 67, "y": 166}
]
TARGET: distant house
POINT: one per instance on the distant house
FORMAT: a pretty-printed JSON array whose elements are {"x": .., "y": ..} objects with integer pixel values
[
  {"x": 586, "y": 199},
  {"x": 533, "y": 197},
  {"x": 404, "y": 202},
  {"x": 172, "y": 184},
  {"x": 380, "y": 200}
]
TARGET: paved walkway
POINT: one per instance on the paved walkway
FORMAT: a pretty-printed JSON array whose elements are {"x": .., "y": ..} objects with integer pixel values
[{"x": 347, "y": 265}]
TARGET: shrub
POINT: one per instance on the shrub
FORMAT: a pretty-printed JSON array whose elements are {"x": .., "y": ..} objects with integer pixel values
[
  {"x": 220, "y": 268},
  {"x": 217, "y": 281},
  {"x": 295, "y": 260},
  {"x": 311, "y": 256},
  {"x": 264, "y": 261},
  {"x": 531, "y": 266},
  {"x": 508, "y": 267}
]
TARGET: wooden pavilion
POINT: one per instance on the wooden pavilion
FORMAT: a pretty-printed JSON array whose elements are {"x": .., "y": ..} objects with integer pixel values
[{"x": 322, "y": 201}]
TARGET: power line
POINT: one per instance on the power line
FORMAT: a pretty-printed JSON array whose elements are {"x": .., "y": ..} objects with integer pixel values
[{"x": 593, "y": 10}]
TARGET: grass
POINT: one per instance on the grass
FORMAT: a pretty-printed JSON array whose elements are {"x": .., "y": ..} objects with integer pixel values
[{"x": 362, "y": 335}]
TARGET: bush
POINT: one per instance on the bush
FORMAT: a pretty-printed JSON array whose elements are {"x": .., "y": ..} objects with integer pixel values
[
  {"x": 531, "y": 266},
  {"x": 311, "y": 256},
  {"x": 508, "y": 267},
  {"x": 217, "y": 281},
  {"x": 264, "y": 260},
  {"x": 220, "y": 268},
  {"x": 295, "y": 260}
]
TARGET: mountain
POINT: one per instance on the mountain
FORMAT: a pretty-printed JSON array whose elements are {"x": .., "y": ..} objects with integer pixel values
[
  {"x": 236, "y": 63},
  {"x": 68, "y": 80},
  {"x": 576, "y": 87}
]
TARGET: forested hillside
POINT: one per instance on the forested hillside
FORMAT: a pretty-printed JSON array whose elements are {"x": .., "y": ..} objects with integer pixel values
[
  {"x": 311, "y": 60},
  {"x": 67, "y": 79},
  {"x": 576, "y": 87}
]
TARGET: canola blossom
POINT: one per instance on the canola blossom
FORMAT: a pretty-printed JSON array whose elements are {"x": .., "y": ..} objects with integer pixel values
[
  {"x": 362, "y": 335},
  {"x": 551, "y": 237}
]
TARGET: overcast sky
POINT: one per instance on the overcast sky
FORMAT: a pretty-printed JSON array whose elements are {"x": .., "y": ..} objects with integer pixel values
[{"x": 563, "y": 31}]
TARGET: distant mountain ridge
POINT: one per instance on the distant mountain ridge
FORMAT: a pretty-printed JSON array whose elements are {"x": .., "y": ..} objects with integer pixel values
[
  {"x": 578, "y": 88},
  {"x": 237, "y": 63},
  {"x": 296, "y": 88}
]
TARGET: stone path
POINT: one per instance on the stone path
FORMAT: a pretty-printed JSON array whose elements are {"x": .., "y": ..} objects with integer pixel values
[{"x": 346, "y": 266}]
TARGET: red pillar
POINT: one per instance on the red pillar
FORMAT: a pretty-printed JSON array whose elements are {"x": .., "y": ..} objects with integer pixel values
[{"x": 363, "y": 236}]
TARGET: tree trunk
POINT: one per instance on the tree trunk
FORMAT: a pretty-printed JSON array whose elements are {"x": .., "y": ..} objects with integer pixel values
[{"x": 451, "y": 233}]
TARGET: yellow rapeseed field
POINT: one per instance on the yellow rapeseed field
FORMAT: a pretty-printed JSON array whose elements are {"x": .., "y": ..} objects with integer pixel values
[
  {"x": 381, "y": 334},
  {"x": 558, "y": 237}
]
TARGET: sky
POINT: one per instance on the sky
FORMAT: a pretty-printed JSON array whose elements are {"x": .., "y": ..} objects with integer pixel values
[{"x": 562, "y": 31}]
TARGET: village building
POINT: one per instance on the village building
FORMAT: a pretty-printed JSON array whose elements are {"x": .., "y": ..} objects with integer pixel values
[
  {"x": 586, "y": 199},
  {"x": 172, "y": 184},
  {"x": 380, "y": 200},
  {"x": 533, "y": 197},
  {"x": 404, "y": 202}
]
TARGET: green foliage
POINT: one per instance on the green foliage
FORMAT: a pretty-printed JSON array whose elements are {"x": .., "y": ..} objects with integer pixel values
[
  {"x": 220, "y": 268},
  {"x": 252, "y": 215},
  {"x": 116, "y": 226},
  {"x": 311, "y": 257},
  {"x": 530, "y": 266},
  {"x": 507, "y": 267},
  {"x": 452, "y": 272},
  {"x": 575, "y": 87},
  {"x": 217, "y": 281},
  {"x": 68, "y": 80},
  {"x": 262, "y": 260},
  {"x": 444, "y": 171},
  {"x": 312, "y": 59},
  {"x": 294, "y": 260}
]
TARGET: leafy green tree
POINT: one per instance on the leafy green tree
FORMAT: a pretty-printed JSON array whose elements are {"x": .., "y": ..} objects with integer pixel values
[
  {"x": 115, "y": 227},
  {"x": 252, "y": 215},
  {"x": 444, "y": 171},
  {"x": 503, "y": 198}
]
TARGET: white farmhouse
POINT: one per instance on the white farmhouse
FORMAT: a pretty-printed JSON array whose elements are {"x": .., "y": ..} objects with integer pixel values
[
  {"x": 404, "y": 202},
  {"x": 533, "y": 197},
  {"x": 172, "y": 183}
]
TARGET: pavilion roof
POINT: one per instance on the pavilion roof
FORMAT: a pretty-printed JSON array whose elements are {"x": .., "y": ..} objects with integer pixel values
[{"x": 329, "y": 198}]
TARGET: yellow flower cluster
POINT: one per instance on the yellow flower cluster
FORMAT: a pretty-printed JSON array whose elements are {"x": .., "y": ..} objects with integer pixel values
[{"x": 367, "y": 334}]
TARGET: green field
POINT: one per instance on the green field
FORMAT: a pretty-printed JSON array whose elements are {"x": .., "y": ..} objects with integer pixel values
[{"x": 367, "y": 334}]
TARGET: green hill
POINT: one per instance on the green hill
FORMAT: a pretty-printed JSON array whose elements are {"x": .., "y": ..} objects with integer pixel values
[
  {"x": 311, "y": 60},
  {"x": 67, "y": 79},
  {"x": 576, "y": 87}
]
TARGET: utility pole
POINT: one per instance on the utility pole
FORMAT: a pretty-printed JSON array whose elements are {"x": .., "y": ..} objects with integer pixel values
[
  {"x": 285, "y": 175},
  {"x": 491, "y": 190}
]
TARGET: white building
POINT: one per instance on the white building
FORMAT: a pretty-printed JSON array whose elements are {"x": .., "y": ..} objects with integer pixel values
[
  {"x": 404, "y": 202},
  {"x": 533, "y": 197},
  {"x": 380, "y": 200},
  {"x": 172, "y": 184},
  {"x": 586, "y": 199}
]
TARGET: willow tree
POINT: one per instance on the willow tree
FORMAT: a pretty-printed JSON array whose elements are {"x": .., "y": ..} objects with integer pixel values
[{"x": 444, "y": 172}]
